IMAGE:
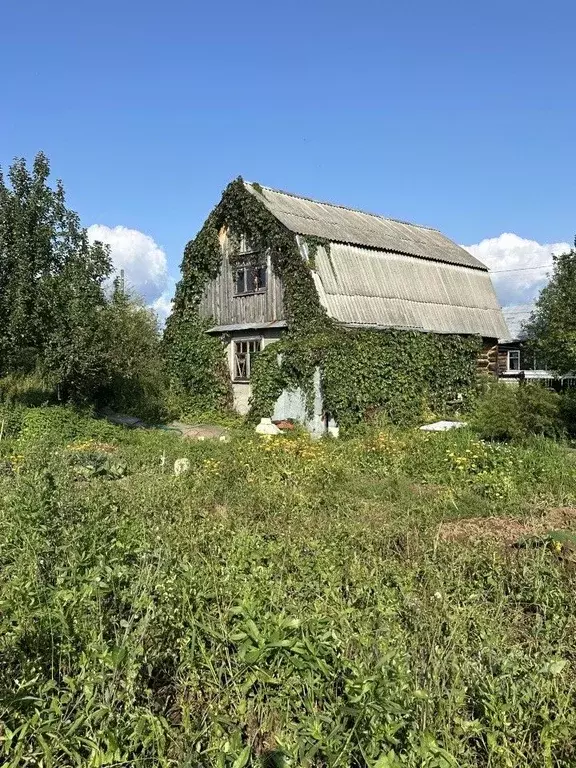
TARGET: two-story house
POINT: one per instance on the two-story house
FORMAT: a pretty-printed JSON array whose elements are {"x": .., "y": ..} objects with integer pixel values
[{"x": 377, "y": 273}]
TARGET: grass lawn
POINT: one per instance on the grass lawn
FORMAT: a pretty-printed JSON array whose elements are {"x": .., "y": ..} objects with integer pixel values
[{"x": 285, "y": 602}]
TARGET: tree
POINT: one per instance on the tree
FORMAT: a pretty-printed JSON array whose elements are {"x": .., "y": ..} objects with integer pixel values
[
  {"x": 136, "y": 380},
  {"x": 51, "y": 283},
  {"x": 551, "y": 329}
]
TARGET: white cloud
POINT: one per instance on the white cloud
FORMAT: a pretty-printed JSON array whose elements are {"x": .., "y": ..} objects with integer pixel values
[
  {"x": 141, "y": 258},
  {"x": 531, "y": 263},
  {"x": 531, "y": 260},
  {"x": 163, "y": 305}
]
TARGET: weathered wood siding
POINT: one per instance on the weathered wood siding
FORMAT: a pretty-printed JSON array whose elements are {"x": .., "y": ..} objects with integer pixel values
[
  {"x": 220, "y": 303},
  {"x": 488, "y": 358},
  {"x": 502, "y": 360}
]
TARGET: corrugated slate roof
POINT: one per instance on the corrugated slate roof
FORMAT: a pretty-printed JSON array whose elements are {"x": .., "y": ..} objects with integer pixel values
[
  {"x": 382, "y": 273},
  {"x": 379, "y": 289},
  {"x": 345, "y": 225}
]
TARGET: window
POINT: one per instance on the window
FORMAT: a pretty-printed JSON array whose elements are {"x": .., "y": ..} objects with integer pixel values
[
  {"x": 244, "y": 354},
  {"x": 514, "y": 360},
  {"x": 250, "y": 278}
]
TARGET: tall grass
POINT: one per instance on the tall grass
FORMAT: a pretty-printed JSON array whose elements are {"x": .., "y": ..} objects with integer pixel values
[{"x": 284, "y": 603}]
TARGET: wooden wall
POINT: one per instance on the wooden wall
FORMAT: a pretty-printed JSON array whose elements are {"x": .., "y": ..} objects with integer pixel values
[
  {"x": 502, "y": 360},
  {"x": 488, "y": 359},
  {"x": 220, "y": 303}
]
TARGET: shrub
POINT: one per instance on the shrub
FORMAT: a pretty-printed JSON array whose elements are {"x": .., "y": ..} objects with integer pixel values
[
  {"x": 61, "y": 424},
  {"x": 497, "y": 414},
  {"x": 11, "y": 417},
  {"x": 136, "y": 377},
  {"x": 568, "y": 411},
  {"x": 27, "y": 389},
  {"x": 539, "y": 410},
  {"x": 506, "y": 411}
]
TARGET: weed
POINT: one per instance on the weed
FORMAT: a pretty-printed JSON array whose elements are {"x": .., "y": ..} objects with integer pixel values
[{"x": 285, "y": 602}]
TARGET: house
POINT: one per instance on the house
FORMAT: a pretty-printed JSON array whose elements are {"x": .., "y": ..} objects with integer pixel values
[
  {"x": 368, "y": 271},
  {"x": 516, "y": 363}
]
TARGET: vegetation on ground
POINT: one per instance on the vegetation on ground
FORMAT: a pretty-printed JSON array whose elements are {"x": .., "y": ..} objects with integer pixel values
[{"x": 285, "y": 602}]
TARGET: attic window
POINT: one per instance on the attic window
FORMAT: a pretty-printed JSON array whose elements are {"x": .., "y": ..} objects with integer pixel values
[{"x": 250, "y": 278}]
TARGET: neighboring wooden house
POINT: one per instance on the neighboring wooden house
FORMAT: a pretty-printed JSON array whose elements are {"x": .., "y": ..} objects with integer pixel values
[
  {"x": 516, "y": 363},
  {"x": 379, "y": 273}
]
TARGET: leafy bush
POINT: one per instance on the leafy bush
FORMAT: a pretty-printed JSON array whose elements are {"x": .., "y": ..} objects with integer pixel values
[
  {"x": 62, "y": 424},
  {"x": 136, "y": 380},
  {"x": 11, "y": 417},
  {"x": 539, "y": 410},
  {"x": 568, "y": 411},
  {"x": 507, "y": 411},
  {"x": 91, "y": 459},
  {"x": 28, "y": 389}
]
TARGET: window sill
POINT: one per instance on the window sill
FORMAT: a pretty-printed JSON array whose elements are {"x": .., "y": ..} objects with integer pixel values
[
  {"x": 240, "y": 381},
  {"x": 249, "y": 293}
]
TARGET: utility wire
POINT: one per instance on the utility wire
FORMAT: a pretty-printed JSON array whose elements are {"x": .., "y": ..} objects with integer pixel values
[{"x": 520, "y": 269}]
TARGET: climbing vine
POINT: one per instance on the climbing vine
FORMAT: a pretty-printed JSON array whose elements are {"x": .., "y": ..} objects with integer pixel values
[
  {"x": 200, "y": 379},
  {"x": 196, "y": 360},
  {"x": 313, "y": 243},
  {"x": 401, "y": 373}
]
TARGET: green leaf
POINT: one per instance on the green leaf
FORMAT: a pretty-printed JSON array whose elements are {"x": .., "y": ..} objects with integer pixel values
[{"x": 242, "y": 758}]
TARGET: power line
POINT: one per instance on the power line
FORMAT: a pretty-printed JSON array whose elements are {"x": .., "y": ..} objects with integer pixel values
[
  {"x": 517, "y": 312},
  {"x": 520, "y": 269}
]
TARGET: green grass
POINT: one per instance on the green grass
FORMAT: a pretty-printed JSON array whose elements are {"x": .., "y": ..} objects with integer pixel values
[{"x": 284, "y": 603}]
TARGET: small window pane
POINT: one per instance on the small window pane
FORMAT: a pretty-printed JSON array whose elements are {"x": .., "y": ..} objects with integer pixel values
[
  {"x": 244, "y": 355},
  {"x": 240, "y": 361},
  {"x": 260, "y": 276},
  {"x": 241, "y": 281},
  {"x": 250, "y": 278}
]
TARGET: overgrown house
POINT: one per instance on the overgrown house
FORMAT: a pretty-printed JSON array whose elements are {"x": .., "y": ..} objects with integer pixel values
[{"x": 368, "y": 272}]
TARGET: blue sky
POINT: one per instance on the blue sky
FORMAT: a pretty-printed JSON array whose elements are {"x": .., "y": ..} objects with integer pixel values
[{"x": 458, "y": 115}]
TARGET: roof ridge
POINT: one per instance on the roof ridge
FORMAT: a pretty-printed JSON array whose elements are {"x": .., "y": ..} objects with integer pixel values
[{"x": 338, "y": 205}]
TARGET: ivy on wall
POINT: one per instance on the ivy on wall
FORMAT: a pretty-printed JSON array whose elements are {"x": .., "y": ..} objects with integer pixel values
[
  {"x": 196, "y": 360},
  {"x": 399, "y": 372},
  {"x": 402, "y": 374},
  {"x": 200, "y": 377}
]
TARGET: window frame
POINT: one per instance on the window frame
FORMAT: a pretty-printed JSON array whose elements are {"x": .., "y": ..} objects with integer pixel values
[
  {"x": 249, "y": 353},
  {"x": 249, "y": 269},
  {"x": 517, "y": 356}
]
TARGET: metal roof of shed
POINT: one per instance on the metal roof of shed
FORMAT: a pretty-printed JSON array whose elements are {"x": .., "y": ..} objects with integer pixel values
[{"x": 346, "y": 225}]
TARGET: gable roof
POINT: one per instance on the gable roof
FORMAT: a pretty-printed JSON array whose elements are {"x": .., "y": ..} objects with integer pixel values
[{"x": 346, "y": 225}]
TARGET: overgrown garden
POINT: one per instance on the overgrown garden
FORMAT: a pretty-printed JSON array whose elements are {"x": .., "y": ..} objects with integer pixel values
[
  {"x": 392, "y": 599},
  {"x": 285, "y": 602}
]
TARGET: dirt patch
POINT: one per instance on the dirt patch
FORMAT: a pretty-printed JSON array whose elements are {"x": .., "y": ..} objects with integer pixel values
[{"x": 507, "y": 530}]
